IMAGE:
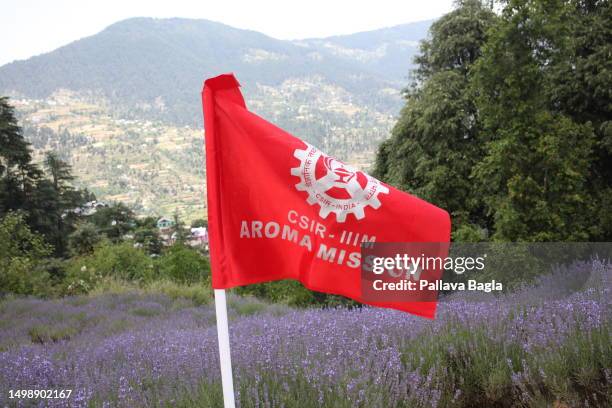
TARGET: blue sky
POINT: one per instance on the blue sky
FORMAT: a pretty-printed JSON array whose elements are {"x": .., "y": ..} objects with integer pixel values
[{"x": 32, "y": 27}]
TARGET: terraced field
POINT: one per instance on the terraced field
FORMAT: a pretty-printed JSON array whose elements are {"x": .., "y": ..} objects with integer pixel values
[
  {"x": 158, "y": 167},
  {"x": 152, "y": 166}
]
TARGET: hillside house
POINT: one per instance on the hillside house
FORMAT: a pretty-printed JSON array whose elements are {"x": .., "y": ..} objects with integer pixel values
[
  {"x": 89, "y": 208},
  {"x": 164, "y": 224},
  {"x": 198, "y": 237}
]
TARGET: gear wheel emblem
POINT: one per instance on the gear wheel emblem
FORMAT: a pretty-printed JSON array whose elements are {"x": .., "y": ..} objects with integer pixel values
[{"x": 336, "y": 187}]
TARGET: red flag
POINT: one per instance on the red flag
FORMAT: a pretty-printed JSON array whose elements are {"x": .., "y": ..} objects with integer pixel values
[{"x": 279, "y": 208}]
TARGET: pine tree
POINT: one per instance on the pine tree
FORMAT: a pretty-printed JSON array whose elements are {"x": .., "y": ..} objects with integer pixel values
[
  {"x": 18, "y": 175},
  {"x": 46, "y": 203}
]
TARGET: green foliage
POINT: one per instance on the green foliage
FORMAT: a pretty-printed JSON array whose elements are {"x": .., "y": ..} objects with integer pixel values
[
  {"x": 149, "y": 239},
  {"x": 180, "y": 234},
  {"x": 51, "y": 207},
  {"x": 18, "y": 176},
  {"x": 56, "y": 201},
  {"x": 481, "y": 366},
  {"x": 50, "y": 334},
  {"x": 114, "y": 221},
  {"x": 507, "y": 126},
  {"x": 535, "y": 171},
  {"x": 292, "y": 293},
  {"x": 245, "y": 305},
  {"x": 147, "y": 236},
  {"x": 59, "y": 171},
  {"x": 198, "y": 293},
  {"x": 48, "y": 204},
  {"x": 84, "y": 239},
  {"x": 55, "y": 268},
  {"x": 120, "y": 261},
  {"x": 21, "y": 252},
  {"x": 199, "y": 223},
  {"x": 435, "y": 143},
  {"x": 455, "y": 39},
  {"x": 183, "y": 264},
  {"x": 578, "y": 85}
]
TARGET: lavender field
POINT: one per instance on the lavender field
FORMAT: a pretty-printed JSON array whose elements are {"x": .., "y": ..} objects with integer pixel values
[{"x": 545, "y": 345}]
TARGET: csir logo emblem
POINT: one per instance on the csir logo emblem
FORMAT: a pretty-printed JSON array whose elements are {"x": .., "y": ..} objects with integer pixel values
[{"x": 335, "y": 186}]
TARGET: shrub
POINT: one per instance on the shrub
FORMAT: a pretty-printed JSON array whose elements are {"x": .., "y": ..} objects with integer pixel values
[
  {"x": 199, "y": 293},
  {"x": 21, "y": 252},
  {"x": 114, "y": 286},
  {"x": 54, "y": 267},
  {"x": 246, "y": 305},
  {"x": 48, "y": 334},
  {"x": 149, "y": 239},
  {"x": 292, "y": 293},
  {"x": 84, "y": 239},
  {"x": 183, "y": 265},
  {"x": 120, "y": 261}
]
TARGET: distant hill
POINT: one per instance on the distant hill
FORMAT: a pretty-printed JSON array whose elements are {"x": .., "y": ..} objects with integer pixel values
[
  {"x": 387, "y": 52},
  {"x": 161, "y": 62},
  {"x": 123, "y": 106}
]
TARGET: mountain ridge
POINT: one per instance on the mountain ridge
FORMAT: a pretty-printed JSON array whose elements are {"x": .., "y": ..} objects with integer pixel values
[
  {"x": 201, "y": 48},
  {"x": 123, "y": 106}
]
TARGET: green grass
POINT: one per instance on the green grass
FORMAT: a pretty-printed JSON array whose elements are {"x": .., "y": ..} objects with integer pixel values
[
  {"x": 198, "y": 293},
  {"x": 245, "y": 306},
  {"x": 145, "y": 312},
  {"x": 43, "y": 333}
]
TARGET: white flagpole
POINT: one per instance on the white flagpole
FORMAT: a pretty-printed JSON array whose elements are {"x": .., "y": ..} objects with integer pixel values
[{"x": 224, "y": 349}]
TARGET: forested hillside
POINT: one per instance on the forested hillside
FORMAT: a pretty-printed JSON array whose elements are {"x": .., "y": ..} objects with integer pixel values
[
  {"x": 123, "y": 106},
  {"x": 156, "y": 66}
]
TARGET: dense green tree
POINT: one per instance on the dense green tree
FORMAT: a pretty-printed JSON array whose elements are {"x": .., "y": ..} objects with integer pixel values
[
  {"x": 455, "y": 39},
  {"x": 578, "y": 85},
  {"x": 21, "y": 252},
  {"x": 47, "y": 203},
  {"x": 147, "y": 235},
  {"x": 122, "y": 262},
  {"x": 508, "y": 122},
  {"x": 146, "y": 222},
  {"x": 537, "y": 162},
  {"x": 58, "y": 199},
  {"x": 114, "y": 221},
  {"x": 180, "y": 234},
  {"x": 18, "y": 175},
  {"x": 84, "y": 239},
  {"x": 435, "y": 143},
  {"x": 55, "y": 269},
  {"x": 183, "y": 264},
  {"x": 199, "y": 222},
  {"x": 59, "y": 171}
]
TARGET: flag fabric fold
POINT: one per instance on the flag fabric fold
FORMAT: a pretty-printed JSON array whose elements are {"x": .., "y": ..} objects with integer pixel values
[{"x": 279, "y": 208}]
